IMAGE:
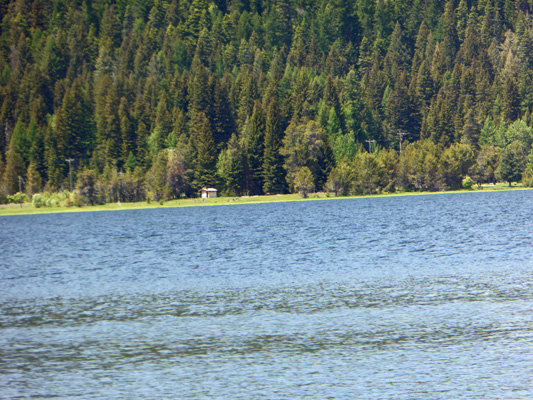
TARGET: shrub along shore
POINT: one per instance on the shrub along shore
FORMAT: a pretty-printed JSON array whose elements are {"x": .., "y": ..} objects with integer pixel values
[{"x": 60, "y": 204}]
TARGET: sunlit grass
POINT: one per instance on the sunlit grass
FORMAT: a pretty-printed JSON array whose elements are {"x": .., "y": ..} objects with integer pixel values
[{"x": 28, "y": 208}]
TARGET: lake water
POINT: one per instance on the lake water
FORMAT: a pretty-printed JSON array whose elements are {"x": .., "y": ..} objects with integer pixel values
[{"x": 418, "y": 297}]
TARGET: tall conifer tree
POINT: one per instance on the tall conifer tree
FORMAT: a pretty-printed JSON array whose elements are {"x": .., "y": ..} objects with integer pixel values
[
  {"x": 206, "y": 155},
  {"x": 255, "y": 150},
  {"x": 273, "y": 171}
]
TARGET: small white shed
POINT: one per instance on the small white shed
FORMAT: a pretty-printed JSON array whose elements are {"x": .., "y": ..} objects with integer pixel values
[{"x": 208, "y": 193}]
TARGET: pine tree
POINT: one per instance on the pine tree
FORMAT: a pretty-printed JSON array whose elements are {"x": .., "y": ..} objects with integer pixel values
[
  {"x": 397, "y": 56},
  {"x": 329, "y": 21},
  {"x": 334, "y": 130},
  {"x": 196, "y": 18},
  {"x": 424, "y": 87},
  {"x": 510, "y": 100},
  {"x": 199, "y": 91},
  {"x": 353, "y": 107},
  {"x": 471, "y": 130},
  {"x": 461, "y": 19},
  {"x": 33, "y": 179},
  {"x": 398, "y": 107},
  {"x": 336, "y": 63},
  {"x": 255, "y": 146},
  {"x": 299, "y": 95},
  {"x": 273, "y": 172},
  {"x": 126, "y": 129},
  {"x": 234, "y": 162},
  {"x": 512, "y": 163},
  {"x": 142, "y": 143},
  {"x": 56, "y": 145},
  {"x": 279, "y": 24},
  {"x": 471, "y": 44},
  {"x": 131, "y": 162},
  {"x": 449, "y": 40},
  {"x": 156, "y": 178},
  {"x": 79, "y": 127},
  {"x": 112, "y": 136},
  {"x": 365, "y": 13},
  {"x": 156, "y": 17},
  {"x": 247, "y": 96},
  {"x": 204, "y": 49},
  {"x": 300, "y": 43},
  {"x": 14, "y": 169},
  {"x": 110, "y": 29},
  {"x": 21, "y": 143},
  {"x": 364, "y": 62},
  {"x": 142, "y": 128},
  {"x": 37, "y": 152},
  {"x": 206, "y": 155},
  {"x": 422, "y": 39},
  {"x": 223, "y": 121},
  {"x": 163, "y": 120}
]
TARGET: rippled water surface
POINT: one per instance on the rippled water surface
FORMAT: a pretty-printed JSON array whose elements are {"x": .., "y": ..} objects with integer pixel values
[{"x": 419, "y": 297}]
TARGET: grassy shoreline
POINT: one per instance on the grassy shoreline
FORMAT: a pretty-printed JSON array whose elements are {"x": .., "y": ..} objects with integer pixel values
[{"x": 28, "y": 208}]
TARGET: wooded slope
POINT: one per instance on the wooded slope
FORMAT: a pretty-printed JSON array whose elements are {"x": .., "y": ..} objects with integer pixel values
[{"x": 160, "y": 98}]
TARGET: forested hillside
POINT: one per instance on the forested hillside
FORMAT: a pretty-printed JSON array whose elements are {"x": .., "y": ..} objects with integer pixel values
[{"x": 158, "y": 98}]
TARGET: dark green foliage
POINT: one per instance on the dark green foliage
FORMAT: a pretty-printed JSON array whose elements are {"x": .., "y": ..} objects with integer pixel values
[
  {"x": 177, "y": 180},
  {"x": 223, "y": 122},
  {"x": 205, "y": 162},
  {"x": 254, "y": 147},
  {"x": 512, "y": 163},
  {"x": 418, "y": 167},
  {"x": 306, "y": 145},
  {"x": 14, "y": 168},
  {"x": 484, "y": 170},
  {"x": 455, "y": 163},
  {"x": 116, "y": 84},
  {"x": 510, "y": 100},
  {"x": 340, "y": 179},
  {"x": 156, "y": 178},
  {"x": 231, "y": 167},
  {"x": 87, "y": 186},
  {"x": 273, "y": 172}
]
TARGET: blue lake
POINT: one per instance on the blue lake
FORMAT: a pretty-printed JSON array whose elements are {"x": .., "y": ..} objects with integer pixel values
[{"x": 416, "y": 297}]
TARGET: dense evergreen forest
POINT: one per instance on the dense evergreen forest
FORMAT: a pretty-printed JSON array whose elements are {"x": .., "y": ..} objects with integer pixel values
[{"x": 135, "y": 99}]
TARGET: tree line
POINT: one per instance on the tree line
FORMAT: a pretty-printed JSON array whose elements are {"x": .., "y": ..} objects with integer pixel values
[{"x": 159, "y": 98}]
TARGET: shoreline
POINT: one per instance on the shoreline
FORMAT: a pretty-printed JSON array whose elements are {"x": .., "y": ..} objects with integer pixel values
[{"x": 29, "y": 209}]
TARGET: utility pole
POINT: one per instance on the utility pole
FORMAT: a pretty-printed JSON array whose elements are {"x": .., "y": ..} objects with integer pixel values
[
  {"x": 70, "y": 160},
  {"x": 20, "y": 189},
  {"x": 370, "y": 145},
  {"x": 401, "y": 135}
]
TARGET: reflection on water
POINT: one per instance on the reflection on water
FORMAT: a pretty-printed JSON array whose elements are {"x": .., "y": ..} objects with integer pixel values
[{"x": 419, "y": 297}]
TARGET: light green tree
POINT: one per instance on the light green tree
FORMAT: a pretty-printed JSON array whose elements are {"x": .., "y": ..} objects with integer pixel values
[
  {"x": 304, "y": 182},
  {"x": 484, "y": 169},
  {"x": 340, "y": 179},
  {"x": 304, "y": 145},
  {"x": 366, "y": 173},
  {"x": 418, "y": 167},
  {"x": 156, "y": 178},
  {"x": 455, "y": 163}
]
